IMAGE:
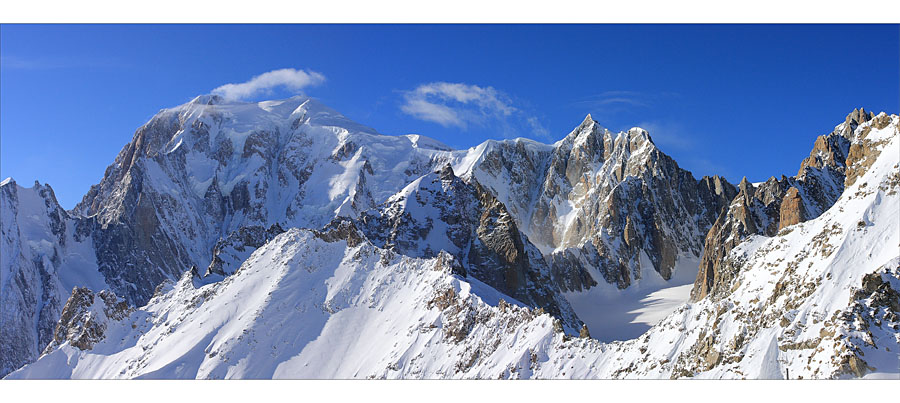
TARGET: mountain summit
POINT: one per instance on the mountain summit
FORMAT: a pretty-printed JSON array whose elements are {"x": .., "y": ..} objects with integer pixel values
[{"x": 234, "y": 239}]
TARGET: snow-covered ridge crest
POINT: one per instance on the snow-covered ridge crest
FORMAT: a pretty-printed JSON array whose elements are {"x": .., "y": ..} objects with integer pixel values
[
  {"x": 215, "y": 180},
  {"x": 818, "y": 300},
  {"x": 296, "y": 309}
]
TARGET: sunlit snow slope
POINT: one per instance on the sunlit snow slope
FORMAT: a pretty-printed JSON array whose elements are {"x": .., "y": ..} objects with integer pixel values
[{"x": 817, "y": 300}]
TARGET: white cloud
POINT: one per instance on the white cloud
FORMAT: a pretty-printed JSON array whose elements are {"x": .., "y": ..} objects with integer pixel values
[
  {"x": 291, "y": 79},
  {"x": 432, "y": 112},
  {"x": 464, "y": 105},
  {"x": 456, "y": 104}
]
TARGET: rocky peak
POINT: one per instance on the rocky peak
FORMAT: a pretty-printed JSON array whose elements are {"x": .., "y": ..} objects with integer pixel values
[
  {"x": 835, "y": 161},
  {"x": 588, "y": 122},
  {"x": 634, "y": 139},
  {"x": 585, "y": 133},
  {"x": 829, "y": 151},
  {"x": 858, "y": 117}
]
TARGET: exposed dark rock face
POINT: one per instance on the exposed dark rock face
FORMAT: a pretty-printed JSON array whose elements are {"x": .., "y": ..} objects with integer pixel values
[
  {"x": 834, "y": 162},
  {"x": 341, "y": 230},
  {"x": 442, "y": 212},
  {"x": 231, "y": 251}
]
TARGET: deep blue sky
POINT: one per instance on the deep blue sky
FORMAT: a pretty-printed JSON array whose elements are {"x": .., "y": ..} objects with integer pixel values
[{"x": 734, "y": 100}]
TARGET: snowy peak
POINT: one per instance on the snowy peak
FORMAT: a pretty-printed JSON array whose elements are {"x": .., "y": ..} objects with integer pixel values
[{"x": 461, "y": 251}]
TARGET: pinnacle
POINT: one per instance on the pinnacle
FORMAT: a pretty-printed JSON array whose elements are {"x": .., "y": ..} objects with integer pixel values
[{"x": 859, "y": 116}]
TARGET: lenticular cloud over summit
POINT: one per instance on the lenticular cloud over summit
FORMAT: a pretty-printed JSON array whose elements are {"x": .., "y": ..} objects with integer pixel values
[{"x": 291, "y": 79}]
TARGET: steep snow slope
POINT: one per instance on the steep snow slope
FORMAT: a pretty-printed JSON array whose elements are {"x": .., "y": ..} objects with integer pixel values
[
  {"x": 311, "y": 305},
  {"x": 202, "y": 171},
  {"x": 817, "y": 300}
]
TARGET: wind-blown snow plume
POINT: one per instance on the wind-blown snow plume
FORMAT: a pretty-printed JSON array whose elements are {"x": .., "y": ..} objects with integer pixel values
[{"x": 292, "y": 79}]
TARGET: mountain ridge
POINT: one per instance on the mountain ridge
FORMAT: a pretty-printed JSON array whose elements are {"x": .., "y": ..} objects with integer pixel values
[{"x": 203, "y": 185}]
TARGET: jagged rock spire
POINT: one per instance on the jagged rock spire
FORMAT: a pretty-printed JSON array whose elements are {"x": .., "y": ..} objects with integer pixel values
[{"x": 859, "y": 116}]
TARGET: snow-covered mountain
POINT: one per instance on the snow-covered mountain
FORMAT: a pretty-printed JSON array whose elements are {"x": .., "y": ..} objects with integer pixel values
[
  {"x": 818, "y": 299},
  {"x": 281, "y": 239}
]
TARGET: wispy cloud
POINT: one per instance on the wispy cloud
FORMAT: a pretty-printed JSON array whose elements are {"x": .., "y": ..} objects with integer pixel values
[
  {"x": 455, "y": 104},
  {"x": 465, "y": 105},
  {"x": 631, "y": 98},
  {"x": 538, "y": 129},
  {"x": 667, "y": 134},
  {"x": 623, "y": 99},
  {"x": 291, "y": 79}
]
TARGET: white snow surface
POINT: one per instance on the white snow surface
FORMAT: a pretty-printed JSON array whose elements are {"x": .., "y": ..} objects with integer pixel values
[
  {"x": 612, "y": 314},
  {"x": 301, "y": 307}
]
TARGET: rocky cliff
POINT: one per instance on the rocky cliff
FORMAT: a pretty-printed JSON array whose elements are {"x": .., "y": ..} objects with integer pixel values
[{"x": 767, "y": 208}]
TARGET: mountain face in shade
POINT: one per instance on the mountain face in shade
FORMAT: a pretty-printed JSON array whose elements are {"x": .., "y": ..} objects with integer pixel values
[{"x": 214, "y": 201}]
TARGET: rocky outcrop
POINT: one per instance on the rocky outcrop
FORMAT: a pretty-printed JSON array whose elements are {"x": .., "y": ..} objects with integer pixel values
[
  {"x": 230, "y": 252},
  {"x": 341, "y": 230},
  {"x": 833, "y": 164},
  {"x": 85, "y": 317},
  {"x": 792, "y": 210}
]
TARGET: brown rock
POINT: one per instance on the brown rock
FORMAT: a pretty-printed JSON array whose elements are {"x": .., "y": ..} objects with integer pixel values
[
  {"x": 584, "y": 333},
  {"x": 629, "y": 235},
  {"x": 792, "y": 210},
  {"x": 84, "y": 319}
]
